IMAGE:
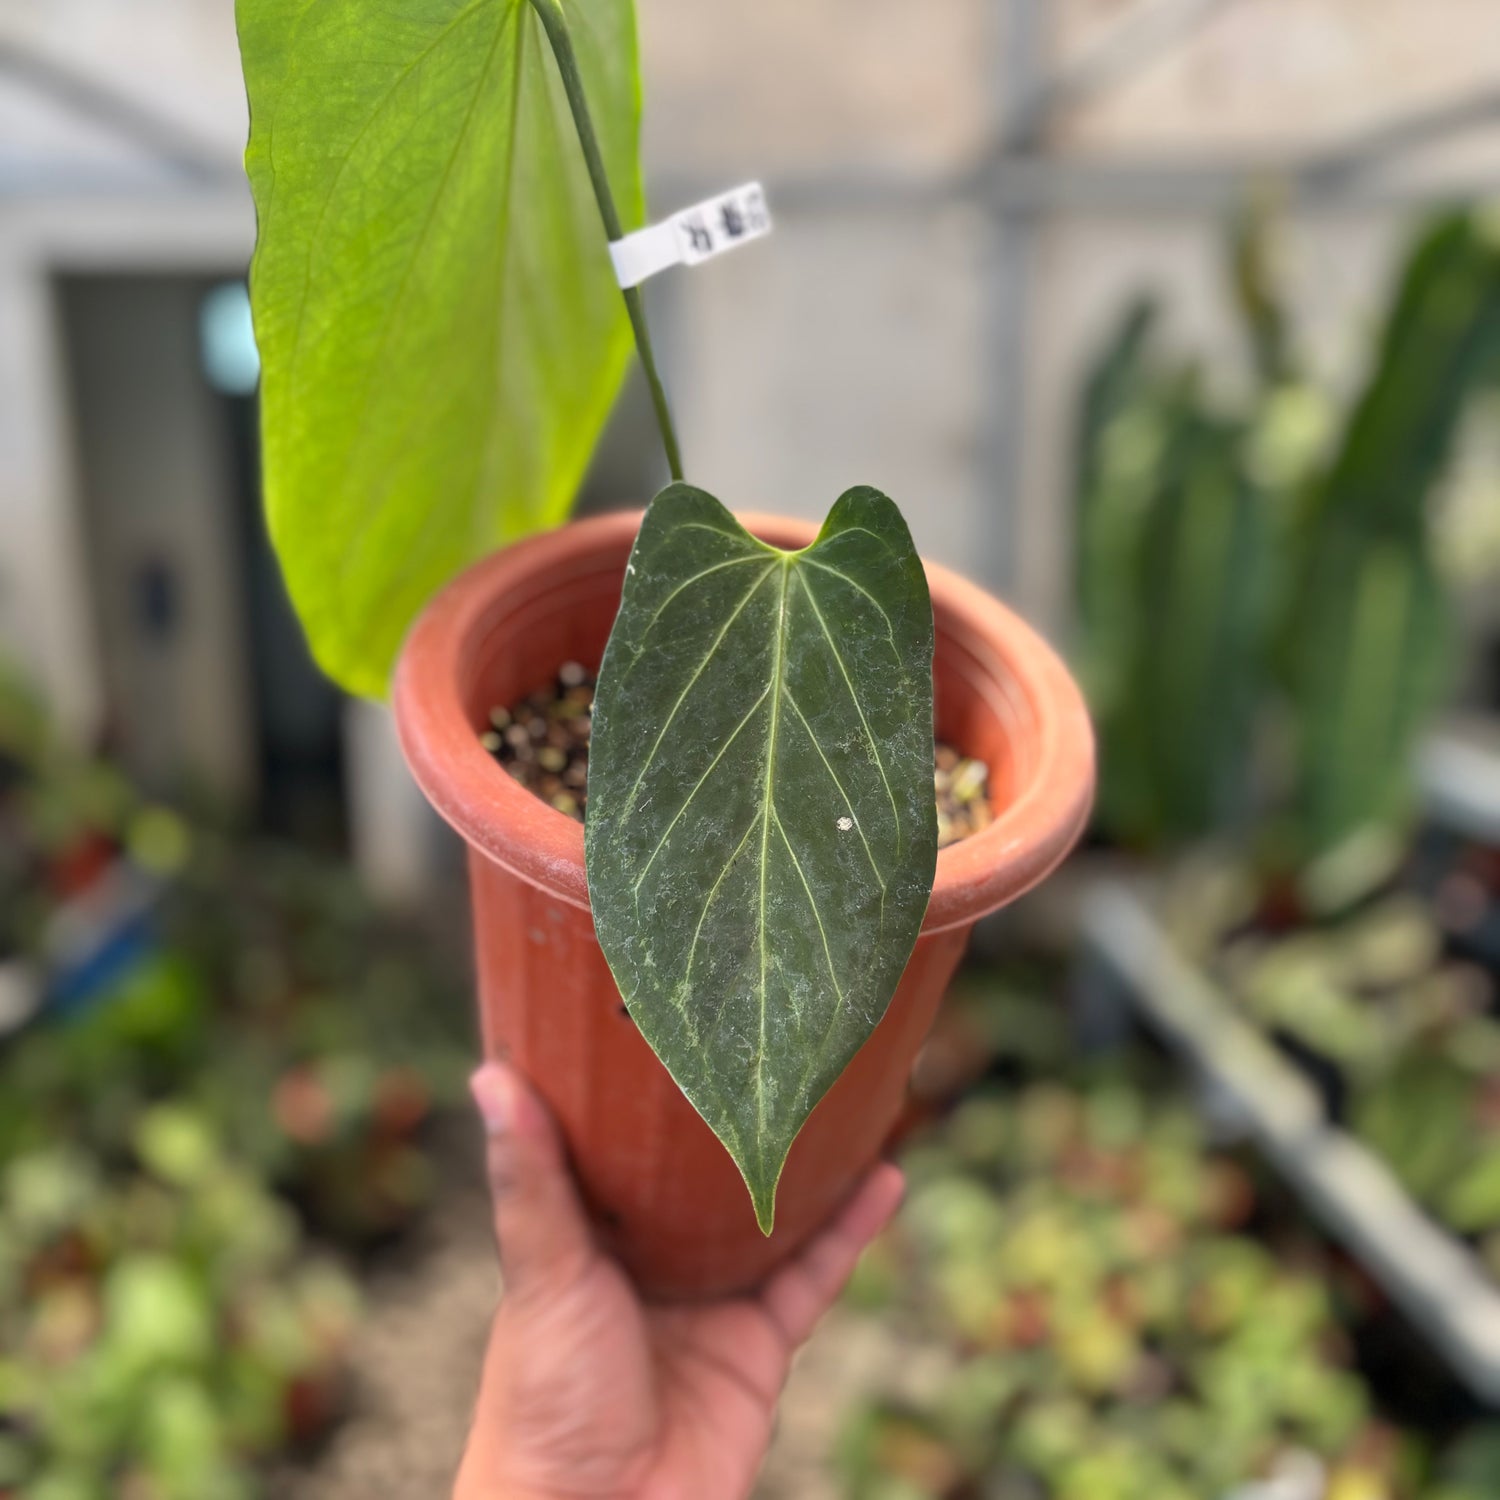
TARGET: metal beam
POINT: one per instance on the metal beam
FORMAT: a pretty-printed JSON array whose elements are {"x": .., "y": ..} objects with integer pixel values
[
  {"x": 1132, "y": 43},
  {"x": 1136, "y": 184},
  {"x": 1013, "y": 228},
  {"x": 163, "y": 139}
]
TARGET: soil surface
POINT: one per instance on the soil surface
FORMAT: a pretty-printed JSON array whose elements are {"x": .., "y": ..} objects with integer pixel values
[
  {"x": 544, "y": 744},
  {"x": 417, "y": 1355}
]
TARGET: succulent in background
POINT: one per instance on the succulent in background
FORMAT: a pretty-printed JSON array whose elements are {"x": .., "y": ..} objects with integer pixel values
[
  {"x": 262, "y": 1065},
  {"x": 1108, "y": 1333},
  {"x": 163, "y": 1328},
  {"x": 1366, "y": 641},
  {"x": 1398, "y": 1029},
  {"x": 1264, "y": 627},
  {"x": 1175, "y": 599}
]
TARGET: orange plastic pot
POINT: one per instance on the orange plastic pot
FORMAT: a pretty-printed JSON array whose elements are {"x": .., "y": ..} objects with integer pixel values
[{"x": 665, "y": 1194}]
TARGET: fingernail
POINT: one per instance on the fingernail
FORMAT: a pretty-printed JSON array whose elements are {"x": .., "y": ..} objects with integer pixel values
[{"x": 493, "y": 1095}]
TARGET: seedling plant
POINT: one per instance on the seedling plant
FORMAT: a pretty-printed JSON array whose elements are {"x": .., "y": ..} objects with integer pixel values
[{"x": 442, "y": 336}]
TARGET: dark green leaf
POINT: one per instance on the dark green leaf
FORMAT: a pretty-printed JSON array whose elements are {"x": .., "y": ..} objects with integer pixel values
[
  {"x": 440, "y": 330},
  {"x": 761, "y": 830}
]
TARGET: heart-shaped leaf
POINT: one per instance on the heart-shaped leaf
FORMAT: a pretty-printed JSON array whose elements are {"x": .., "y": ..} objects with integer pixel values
[
  {"x": 441, "y": 334},
  {"x": 761, "y": 831}
]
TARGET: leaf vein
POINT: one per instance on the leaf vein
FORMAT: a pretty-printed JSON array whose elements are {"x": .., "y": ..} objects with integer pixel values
[
  {"x": 890, "y": 629},
  {"x": 812, "y": 904},
  {"x": 848, "y": 800},
  {"x": 688, "y": 583},
  {"x": 864, "y": 530},
  {"x": 858, "y": 707},
  {"x": 698, "y": 671},
  {"x": 316, "y": 238},
  {"x": 697, "y": 787},
  {"x": 687, "y": 971},
  {"x": 366, "y": 405}
]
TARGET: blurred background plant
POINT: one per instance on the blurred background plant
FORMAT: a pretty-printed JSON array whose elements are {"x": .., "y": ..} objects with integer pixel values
[
  {"x": 226, "y": 1092},
  {"x": 1119, "y": 1310},
  {"x": 1265, "y": 630},
  {"x": 1389, "y": 1006},
  {"x": 1268, "y": 585}
]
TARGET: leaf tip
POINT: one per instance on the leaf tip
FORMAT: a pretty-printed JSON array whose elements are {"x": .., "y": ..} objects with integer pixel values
[{"x": 764, "y": 1200}]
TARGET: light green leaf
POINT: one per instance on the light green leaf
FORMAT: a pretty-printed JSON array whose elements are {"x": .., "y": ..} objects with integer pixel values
[
  {"x": 440, "y": 332},
  {"x": 761, "y": 831}
]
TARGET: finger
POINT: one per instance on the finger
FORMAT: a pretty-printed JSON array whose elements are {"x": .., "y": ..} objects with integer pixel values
[
  {"x": 539, "y": 1223},
  {"x": 804, "y": 1289}
]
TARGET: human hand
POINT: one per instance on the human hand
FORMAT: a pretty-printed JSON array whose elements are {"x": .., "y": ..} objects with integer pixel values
[{"x": 588, "y": 1391}]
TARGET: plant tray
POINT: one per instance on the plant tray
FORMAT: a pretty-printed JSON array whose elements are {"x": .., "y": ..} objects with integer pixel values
[
  {"x": 1433, "y": 1277},
  {"x": 1459, "y": 773}
]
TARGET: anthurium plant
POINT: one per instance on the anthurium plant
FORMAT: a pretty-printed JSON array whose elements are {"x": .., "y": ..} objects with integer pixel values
[{"x": 442, "y": 336}]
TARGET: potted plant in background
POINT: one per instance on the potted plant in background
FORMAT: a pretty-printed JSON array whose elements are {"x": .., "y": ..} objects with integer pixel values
[
  {"x": 442, "y": 336},
  {"x": 1266, "y": 631},
  {"x": 1268, "y": 637},
  {"x": 1090, "y": 1299},
  {"x": 214, "y": 1109}
]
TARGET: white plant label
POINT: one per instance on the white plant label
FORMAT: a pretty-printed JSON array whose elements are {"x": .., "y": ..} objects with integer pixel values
[{"x": 695, "y": 234}]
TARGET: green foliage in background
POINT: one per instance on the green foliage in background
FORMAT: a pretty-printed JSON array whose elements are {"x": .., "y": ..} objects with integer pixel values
[
  {"x": 1263, "y": 623},
  {"x": 1366, "y": 639},
  {"x": 1072, "y": 1312},
  {"x": 762, "y": 835},
  {"x": 162, "y": 1327},
  {"x": 256, "y": 1083},
  {"x": 1174, "y": 571},
  {"x": 1103, "y": 1332},
  {"x": 1376, "y": 997},
  {"x": 440, "y": 331}
]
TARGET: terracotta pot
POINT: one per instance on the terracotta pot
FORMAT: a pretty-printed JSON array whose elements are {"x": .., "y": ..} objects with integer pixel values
[{"x": 665, "y": 1194}]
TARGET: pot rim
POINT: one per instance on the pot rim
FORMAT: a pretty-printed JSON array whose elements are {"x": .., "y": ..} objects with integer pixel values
[{"x": 511, "y": 825}]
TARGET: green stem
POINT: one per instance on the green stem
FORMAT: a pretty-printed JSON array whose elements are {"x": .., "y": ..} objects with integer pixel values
[{"x": 550, "y": 13}]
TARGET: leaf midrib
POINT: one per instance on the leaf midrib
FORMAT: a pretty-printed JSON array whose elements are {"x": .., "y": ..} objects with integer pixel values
[{"x": 765, "y": 834}]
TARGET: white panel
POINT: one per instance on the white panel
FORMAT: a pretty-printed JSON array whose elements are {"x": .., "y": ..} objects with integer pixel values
[
  {"x": 44, "y": 617},
  {"x": 844, "y": 350},
  {"x": 394, "y": 832}
]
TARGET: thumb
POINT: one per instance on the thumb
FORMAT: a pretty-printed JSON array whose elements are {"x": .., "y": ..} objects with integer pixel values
[{"x": 540, "y": 1225}]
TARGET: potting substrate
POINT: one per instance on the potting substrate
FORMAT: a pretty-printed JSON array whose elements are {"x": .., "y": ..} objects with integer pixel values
[{"x": 543, "y": 743}]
